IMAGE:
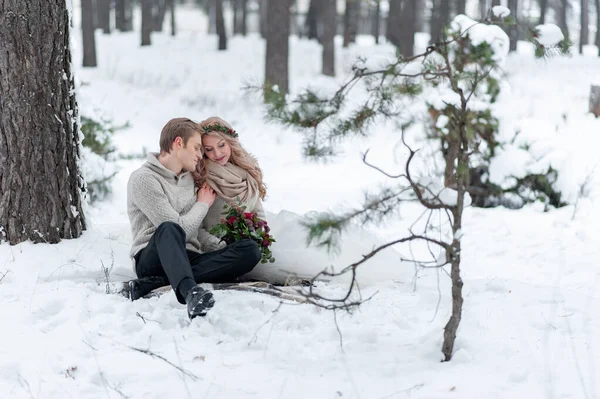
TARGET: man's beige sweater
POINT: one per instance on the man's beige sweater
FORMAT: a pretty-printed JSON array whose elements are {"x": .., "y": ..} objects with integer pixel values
[{"x": 156, "y": 195}]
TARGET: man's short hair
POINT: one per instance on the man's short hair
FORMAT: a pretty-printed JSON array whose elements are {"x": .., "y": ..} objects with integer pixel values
[{"x": 177, "y": 127}]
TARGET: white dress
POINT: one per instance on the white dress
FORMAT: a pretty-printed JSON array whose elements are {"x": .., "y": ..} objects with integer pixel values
[{"x": 293, "y": 258}]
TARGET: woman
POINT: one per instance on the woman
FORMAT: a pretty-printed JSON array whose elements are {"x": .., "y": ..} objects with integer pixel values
[{"x": 231, "y": 172}]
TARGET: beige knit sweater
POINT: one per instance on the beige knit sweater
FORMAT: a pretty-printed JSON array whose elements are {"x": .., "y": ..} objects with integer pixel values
[{"x": 156, "y": 195}]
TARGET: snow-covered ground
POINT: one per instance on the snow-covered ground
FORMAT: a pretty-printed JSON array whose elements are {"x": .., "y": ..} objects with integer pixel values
[{"x": 531, "y": 320}]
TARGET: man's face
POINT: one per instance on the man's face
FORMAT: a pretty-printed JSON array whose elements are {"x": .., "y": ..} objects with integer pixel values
[{"x": 190, "y": 153}]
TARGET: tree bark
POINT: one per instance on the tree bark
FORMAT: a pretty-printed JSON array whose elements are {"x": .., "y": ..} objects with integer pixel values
[
  {"x": 585, "y": 25},
  {"x": 329, "y": 18},
  {"x": 394, "y": 30},
  {"x": 88, "y": 34},
  {"x": 377, "y": 21},
  {"x": 312, "y": 20},
  {"x": 408, "y": 16},
  {"x": 40, "y": 181},
  {"x": 147, "y": 22},
  {"x": 220, "y": 20},
  {"x": 278, "y": 31},
  {"x": 351, "y": 17},
  {"x": 103, "y": 8},
  {"x": 543, "y": 11},
  {"x": 172, "y": 13},
  {"x": 513, "y": 31}
]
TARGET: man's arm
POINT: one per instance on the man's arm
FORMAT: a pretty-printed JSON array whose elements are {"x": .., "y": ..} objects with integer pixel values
[{"x": 148, "y": 195}]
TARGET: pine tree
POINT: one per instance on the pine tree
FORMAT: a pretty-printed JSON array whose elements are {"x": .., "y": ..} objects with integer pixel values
[{"x": 454, "y": 67}]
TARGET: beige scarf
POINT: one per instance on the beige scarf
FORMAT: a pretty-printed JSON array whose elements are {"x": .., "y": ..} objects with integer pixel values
[{"x": 232, "y": 183}]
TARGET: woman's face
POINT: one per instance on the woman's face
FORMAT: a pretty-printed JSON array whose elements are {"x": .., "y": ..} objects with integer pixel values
[{"x": 216, "y": 149}]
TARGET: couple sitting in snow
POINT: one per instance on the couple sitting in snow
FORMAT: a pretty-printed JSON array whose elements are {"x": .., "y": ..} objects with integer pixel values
[{"x": 175, "y": 198}]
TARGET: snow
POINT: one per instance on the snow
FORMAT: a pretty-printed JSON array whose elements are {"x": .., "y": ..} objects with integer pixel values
[
  {"x": 531, "y": 323},
  {"x": 480, "y": 33},
  {"x": 549, "y": 34},
  {"x": 500, "y": 11}
]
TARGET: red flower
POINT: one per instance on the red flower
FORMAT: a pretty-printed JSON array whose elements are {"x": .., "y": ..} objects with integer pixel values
[
  {"x": 248, "y": 215},
  {"x": 231, "y": 219}
]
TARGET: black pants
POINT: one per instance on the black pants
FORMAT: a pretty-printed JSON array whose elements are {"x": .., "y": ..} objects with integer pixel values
[{"x": 166, "y": 256}]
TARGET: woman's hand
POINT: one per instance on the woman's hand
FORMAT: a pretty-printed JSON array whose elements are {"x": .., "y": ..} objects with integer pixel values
[{"x": 206, "y": 195}]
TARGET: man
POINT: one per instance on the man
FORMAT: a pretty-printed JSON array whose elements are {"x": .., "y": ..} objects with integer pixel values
[{"x": 165, "y": 215}]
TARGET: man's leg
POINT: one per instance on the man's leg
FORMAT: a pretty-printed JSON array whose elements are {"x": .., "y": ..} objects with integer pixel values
[
  {"x": 226, "y": 264},
  {"x": 165, "y": 255}
]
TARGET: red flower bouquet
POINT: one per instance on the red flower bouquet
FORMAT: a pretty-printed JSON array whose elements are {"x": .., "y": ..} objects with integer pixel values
[{"x": 238, "y": 224}]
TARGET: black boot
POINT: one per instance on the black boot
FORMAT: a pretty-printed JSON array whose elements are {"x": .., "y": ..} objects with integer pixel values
[
  {"x": 143, "y": 286},
  {"x": 199, "y": 301}
]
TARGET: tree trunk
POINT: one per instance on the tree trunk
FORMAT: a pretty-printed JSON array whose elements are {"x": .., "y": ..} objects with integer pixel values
[
  {"x": 120, "y": 15},
  {"x": 128, "y": 27},
  {"x": 351, "y": 17},
  {"x": 237, "y": 16},
  {"x": 278, "y": 31},
  {"x": 461, "y": 7},
  {"x": 87, "y": 32},
  {"x": 40, "y": 181},
  {"x": 420, "y": 19},
  {"x": 595, "y": 100},
  {"x": 220, "y": 20},
  {"x": 562, "y": 17},
  {"x": 329, "y": 18},
  {"x": 172, "y": 13},
  {"x": 543, "y": 11},
  {"x": 440, "y": 17},
  {"x": 394, "y": 30},
  {"x": 244, "y": 17},
  {"x": 147, "y": 22},
  {"x": 408, "y": 16},
  {"x": 585, "y": 25},
  {"x": 263, "y": 10},
  {"x": 457, "y": 300},
  {"x": 103, "y": 8},
  {"x": 597, "y": 41},
  {"x": 312, "y": 20},
  {"x": 513, "y": 31},
  {"x": 212, "y": 17},
  {"x": 159, "y": 12},
  {"x": 483, "y": 8},
  {"x": 377, "y": 21}
]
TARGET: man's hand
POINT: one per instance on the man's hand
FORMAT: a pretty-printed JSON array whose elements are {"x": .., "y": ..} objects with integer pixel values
[{"x": 206, "y": 195}]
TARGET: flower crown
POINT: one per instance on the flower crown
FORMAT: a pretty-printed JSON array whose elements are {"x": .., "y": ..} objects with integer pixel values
[{"x": 220, "y": 128}]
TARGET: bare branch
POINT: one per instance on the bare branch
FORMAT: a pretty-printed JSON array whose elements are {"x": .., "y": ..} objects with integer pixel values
[{"x": 364, "y": 158}]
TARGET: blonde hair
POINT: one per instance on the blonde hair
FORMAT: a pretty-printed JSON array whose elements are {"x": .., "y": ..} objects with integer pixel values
[{"x": 239, "y": 156}]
